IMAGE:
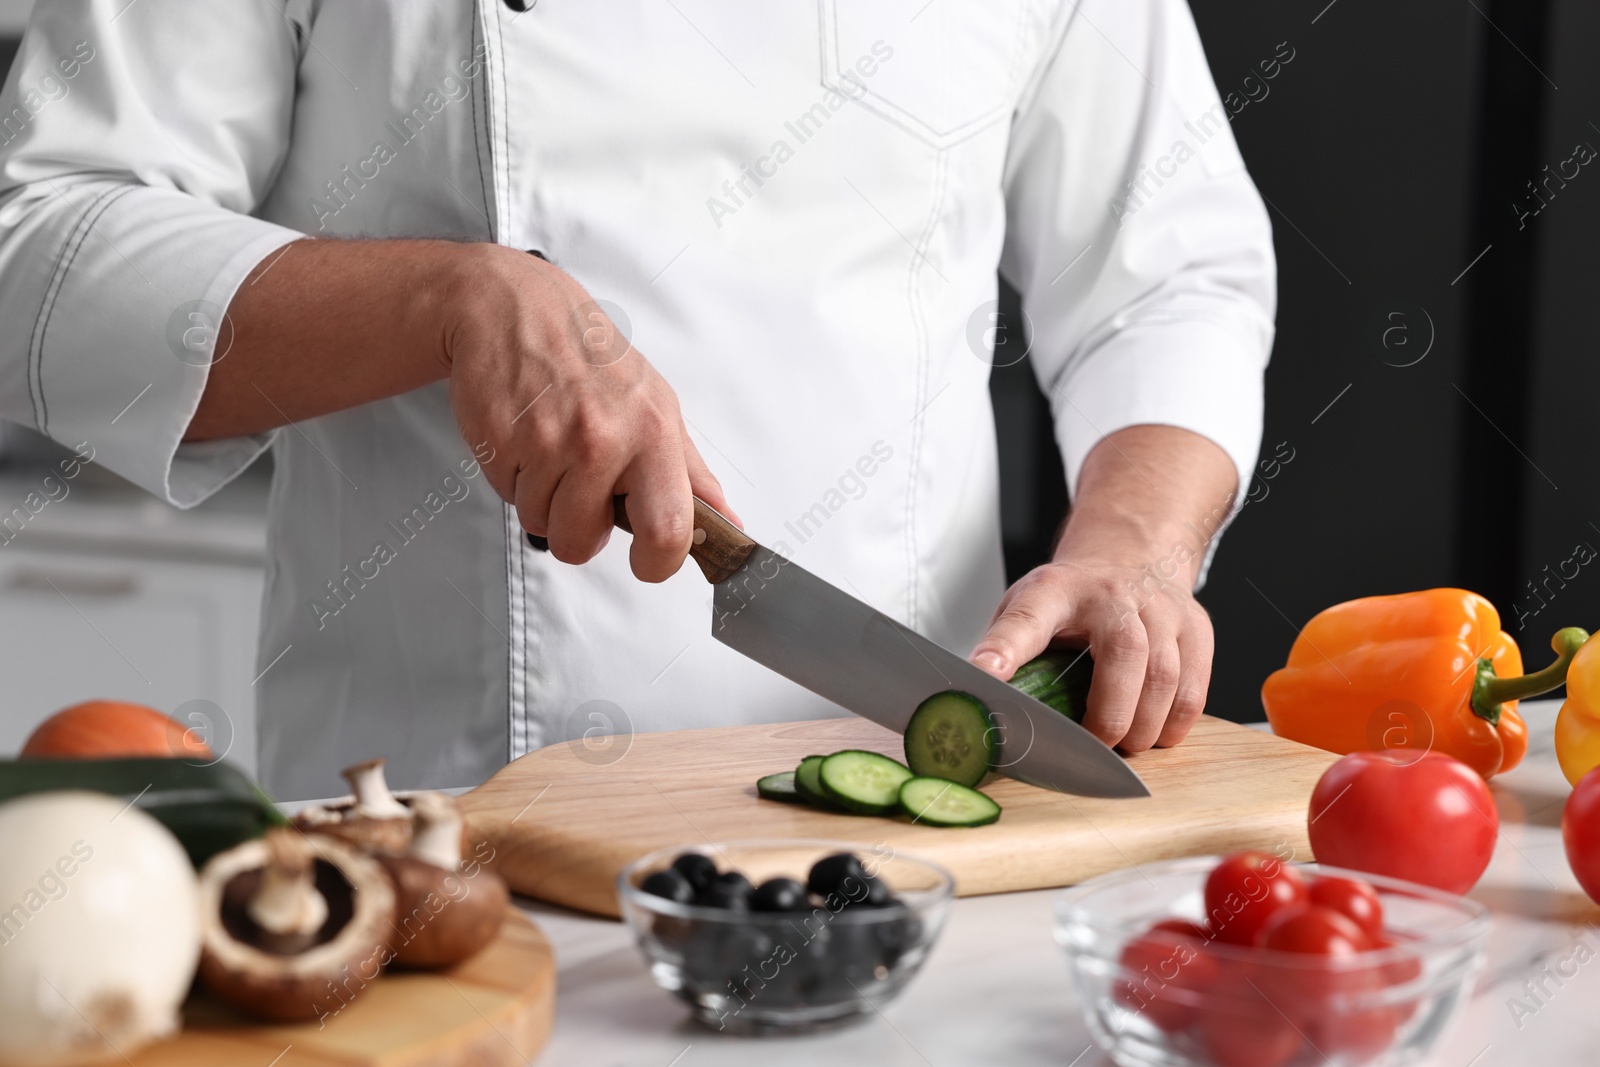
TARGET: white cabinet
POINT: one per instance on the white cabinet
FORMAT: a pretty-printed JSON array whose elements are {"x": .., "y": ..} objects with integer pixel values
[
  {"x": 78, "y": 626},
  {"x": 110, "y": 594}
]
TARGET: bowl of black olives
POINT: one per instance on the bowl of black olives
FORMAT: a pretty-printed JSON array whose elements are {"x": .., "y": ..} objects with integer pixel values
[{"x": 783, "y": 935}]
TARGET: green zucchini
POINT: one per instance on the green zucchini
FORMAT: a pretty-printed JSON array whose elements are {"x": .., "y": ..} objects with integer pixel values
[
  {"x": 951, "y": 736},
  {"x": 937, "y": 802},
  {"x": 863, "y": 782},
  {"x": 207, "y": 808},
  {"x": 779, "y": 787},
  {"x": 1059, "y": 678}
]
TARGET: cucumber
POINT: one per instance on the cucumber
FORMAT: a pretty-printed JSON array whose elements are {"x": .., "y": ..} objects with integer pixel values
[
  {"x": 1059, "y": 678},
  {"x": 207, "y": 808},
  {"x": 951, "y": 736},
  {"x": 863, "y": 782},
  {"x": 779, "y": 787},
  {"x": 938, "y": 802},
  {"x": 807, "y": 786}
]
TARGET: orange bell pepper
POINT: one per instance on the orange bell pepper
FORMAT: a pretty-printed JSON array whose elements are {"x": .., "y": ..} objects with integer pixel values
[
  {"x": 1578, "y": 725},
  {"x": 1426, "y": 670}
]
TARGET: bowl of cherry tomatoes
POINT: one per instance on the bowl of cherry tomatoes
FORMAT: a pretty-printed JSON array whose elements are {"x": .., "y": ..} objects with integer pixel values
[{"x": 1251, "y": 961}]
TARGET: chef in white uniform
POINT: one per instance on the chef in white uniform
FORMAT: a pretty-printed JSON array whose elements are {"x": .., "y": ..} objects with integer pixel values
[{"x": 772, "y": 234}]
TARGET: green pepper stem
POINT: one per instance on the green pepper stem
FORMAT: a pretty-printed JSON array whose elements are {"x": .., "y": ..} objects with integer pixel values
[{"x": 1490, "y": 690}]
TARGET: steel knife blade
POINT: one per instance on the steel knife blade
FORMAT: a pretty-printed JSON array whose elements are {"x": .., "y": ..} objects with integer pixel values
[
  {"x": 782, "y": 616},
  {"x": 777, "y": 613}
]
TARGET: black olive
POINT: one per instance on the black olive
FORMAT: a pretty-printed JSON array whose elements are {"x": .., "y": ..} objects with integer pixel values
[
  {"x": 786, "y": 987},
  {"x": 862, "y": 892},
  {"x": 829, "y": 875},
  {"x": 698, "y": 868},
  {"x": 731, "y": 890},
  {"x": 673, "y": 932},
  {"x": 850, "y": 962},
  {"x": 815, "y": 966},
  {"x": 878, "y": 895},
  {"x": 670, "y": 884},
  {"x": 728, "y": 960},
  {"x": 779, "y": 894},
  {"x": 896, "y": 937},
  {"x": 810, "y": 947},
  {"x": 736, "y": 877}
]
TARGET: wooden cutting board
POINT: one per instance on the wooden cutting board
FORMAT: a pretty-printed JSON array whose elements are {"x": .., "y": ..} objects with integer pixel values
[
  {"x": 562, "y": 826},
  {"x": 494, "y": 1010}
]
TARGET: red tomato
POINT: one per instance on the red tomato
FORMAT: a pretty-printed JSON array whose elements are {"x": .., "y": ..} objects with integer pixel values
[
  {"x": 1352, "y": 898},
  {"x": 1245, "y": 889},
  {"x": 1580, "y": 830},
  {"x": 1164, "y": 969},
  {"x": 1430, "y": 820}
]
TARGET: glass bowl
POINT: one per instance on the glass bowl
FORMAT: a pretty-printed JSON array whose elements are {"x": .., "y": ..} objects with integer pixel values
[
  {"x": 759, "y": 972},
  {"x": 1165, "y": 1000}
]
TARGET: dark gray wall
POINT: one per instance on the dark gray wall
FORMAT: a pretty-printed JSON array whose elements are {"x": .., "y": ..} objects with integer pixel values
[
  {"x": 1390, "y": 150},
  {"x": 1364, "y": 148},
  {"x": 1563, "y": 357}
]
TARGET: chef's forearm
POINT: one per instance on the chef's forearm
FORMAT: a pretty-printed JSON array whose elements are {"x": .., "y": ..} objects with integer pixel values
[
  {"x": 329, "y": 325},
  {"x": 1150, "y": 496}
]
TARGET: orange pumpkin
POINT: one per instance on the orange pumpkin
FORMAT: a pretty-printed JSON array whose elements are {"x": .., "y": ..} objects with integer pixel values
[{"x": 110, "y": 729}]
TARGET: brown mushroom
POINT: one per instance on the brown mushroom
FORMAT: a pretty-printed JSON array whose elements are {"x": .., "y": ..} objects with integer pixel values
[
  {"x": 443, "y": 911},
  {"x": 293, "y": 926},
  {"x": 371, "y": 818}
]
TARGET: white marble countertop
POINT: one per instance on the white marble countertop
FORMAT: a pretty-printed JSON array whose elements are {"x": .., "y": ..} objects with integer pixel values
[{"x": 995, "y": 989}]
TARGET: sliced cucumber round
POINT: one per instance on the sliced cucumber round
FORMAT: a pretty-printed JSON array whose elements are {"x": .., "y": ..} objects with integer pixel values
[
  {"x": 864, "y": 782},
  {"x": 808, "y": 786},
  {"x": 938, "y": 802},
  {"x": 779, "y": 787},
  {"x": 951, "y": 736}
]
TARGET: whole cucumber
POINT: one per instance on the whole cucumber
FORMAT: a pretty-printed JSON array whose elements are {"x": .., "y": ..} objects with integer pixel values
[
  {"x": 207, "y": 808},
  {"x": 1060, "y": 678}
]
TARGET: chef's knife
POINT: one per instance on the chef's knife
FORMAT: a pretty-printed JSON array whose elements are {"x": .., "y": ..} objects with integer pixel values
[{"x": 790, "y": 621}]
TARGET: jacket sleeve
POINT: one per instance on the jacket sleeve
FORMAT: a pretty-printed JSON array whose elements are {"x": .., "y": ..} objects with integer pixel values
[
  {"x": 1141, "y": 248},
  {"x": 135, "y": 140}
]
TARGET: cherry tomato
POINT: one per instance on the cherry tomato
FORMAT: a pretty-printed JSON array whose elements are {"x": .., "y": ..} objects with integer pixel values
[
  {"x": 1404, "y": 969},
  {"x": 1164, "y": 971},
  {"x": 1240, "y": 1026},
  {"x": 1357, "y": 1036},
  {"x": 1316, "y": 992},
  {"x": 1315, "y": 930},
  {"x": 1580, "y": 830},
  {"x": 1244, "y": 890},
  {"x": 1352, "y": 898},
  {"x": 1429, "y": 819},
  {"x": 1363, "y": 1034}
]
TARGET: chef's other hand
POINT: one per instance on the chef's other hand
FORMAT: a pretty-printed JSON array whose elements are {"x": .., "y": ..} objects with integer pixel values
[
  {"x": 1149, "y": 499},
  {"x": 572, "y": 415}
]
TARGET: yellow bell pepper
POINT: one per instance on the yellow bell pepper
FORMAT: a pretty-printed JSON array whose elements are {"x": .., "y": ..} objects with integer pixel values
[{"x": 1578, "y": 725}]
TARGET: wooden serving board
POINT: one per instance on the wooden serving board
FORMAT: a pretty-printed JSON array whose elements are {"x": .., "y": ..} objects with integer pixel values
[
  {"x": 563, "y": 827},
  {"x": 494, "y": 1010}
]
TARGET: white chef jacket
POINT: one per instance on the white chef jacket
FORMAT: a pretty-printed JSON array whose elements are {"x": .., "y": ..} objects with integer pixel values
[{"x": 795, "y": 209}]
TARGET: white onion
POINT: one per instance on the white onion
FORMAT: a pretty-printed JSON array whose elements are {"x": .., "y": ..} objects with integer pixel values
[{"x": 99, "y": 930}]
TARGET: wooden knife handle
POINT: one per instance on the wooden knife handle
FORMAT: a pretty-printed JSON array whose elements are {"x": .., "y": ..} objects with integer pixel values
[{"x": 719, "y": 546}]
